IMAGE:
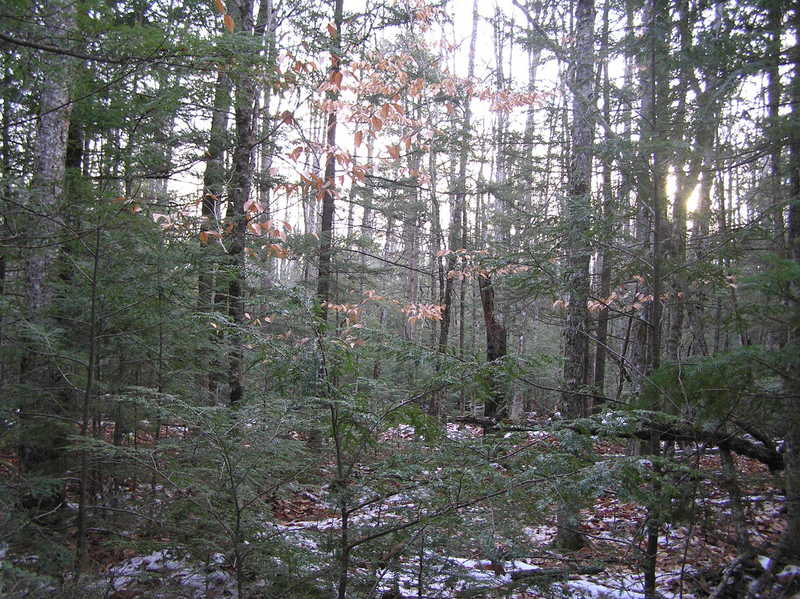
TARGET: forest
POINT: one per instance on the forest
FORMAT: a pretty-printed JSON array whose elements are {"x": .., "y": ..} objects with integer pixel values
[{"x": 392, "y": 299}]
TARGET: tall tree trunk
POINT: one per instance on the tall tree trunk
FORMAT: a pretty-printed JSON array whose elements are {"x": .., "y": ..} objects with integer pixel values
[
  {"x": 46, "y": 200},
  {"x": 455, "y": 237},
  {"x": 328, "y": 198},
  {"x": 241, "y": 185},
  {"x": 495, "y": 404},
  {"x": 774, "y": 92},
  {"x": 579, "y": 214},
  {"x": 213, "y": 190},
  {"x": 496, "y": 349},
  {"x": 608, "y": 217},
  {"x": 655, "y": 92},
  {"x": 791, "y": 537},
  {"x": 411, "y": 251}
]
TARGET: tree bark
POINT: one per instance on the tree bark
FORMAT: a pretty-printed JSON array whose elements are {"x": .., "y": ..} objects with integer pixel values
[
  {"x": 213, "y": 191},
  {"x": 655, "y": 91},
  {"x": 579, "y": 214},
  {"x": 45, "y": 201},
  {"x": 608, "y": 216},
  {"x": 241, "y": 186},
  {"x": 496, "y": 349},
  {"x": 328, "y": 198},
  {"x": 455, "y": 236},
  {"x": 791, "y": 539}
]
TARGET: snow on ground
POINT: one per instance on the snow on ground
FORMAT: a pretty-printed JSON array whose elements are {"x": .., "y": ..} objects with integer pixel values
[
  {"x": 614, "y": 527},
  {"x": 458, "y": 432},
  {"x": 585, "y": 589},
  {"x": 170, "y": 571}
]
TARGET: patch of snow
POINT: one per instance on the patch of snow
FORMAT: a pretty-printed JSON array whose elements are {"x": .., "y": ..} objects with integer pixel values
[
  {"x": 585, "y": 589},
  {"x": 540, "y": 535},
  {"x": 167, "y": 566},
  {"x": 401, "y": 431},
  {"x": 459, "y": 432},
  {"x": 789, "y": 573},
  {"x": 519, "y": 566},
  {"x": 765, "y": 562}
]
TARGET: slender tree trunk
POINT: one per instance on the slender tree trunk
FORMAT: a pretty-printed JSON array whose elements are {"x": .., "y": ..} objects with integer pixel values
[
  {"x": 579, "y": 215},
  {"x": 411, "y": 236},
  {"x": 496, "y": 349},
  {"x": 213, "y": 190},
  {"x": 455, "y": 237},
  {"x": 328, "y": 198},
  {"x": 791, "y": 538},
  {"x": 5, "y": 199},
  {"x": 46, "y": 200},
  {"x": 774, "y": 92},
  {"x": 267, "y": 25},
  {"x": 495, "y": 405},
  {"x": 654, "y": 89},
  {"x": 608, "y": 216},
  {"x": 241, "y": 186},
  {"x": 83, "y": 500}
]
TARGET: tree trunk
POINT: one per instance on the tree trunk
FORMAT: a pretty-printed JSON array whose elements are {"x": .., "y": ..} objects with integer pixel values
[
  {"x": 608, "y": 217},
  {"x": 46, "y": 199},
  {"x": 455, "y": 237},
  {"x": 213, "y": 190},
  {"x": 328, "y": 198},
  {"x": 774, "y": 90},
  {"x": 241, "y": 185},
  {"x": 791, "y": 537},
  {"x": 496, "y": 349},
  {"x": 579, "y": 214},
  {"x": 655, "y": 88}
]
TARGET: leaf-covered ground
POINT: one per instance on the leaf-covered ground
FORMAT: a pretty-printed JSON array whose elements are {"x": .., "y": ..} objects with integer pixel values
[{"x": 693, "y": 549}]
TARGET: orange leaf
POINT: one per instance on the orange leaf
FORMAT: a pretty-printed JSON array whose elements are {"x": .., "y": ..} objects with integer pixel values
[
  {"x": 228, "y": 23},
  {"x": 287, "y": 117},
  {"x": 394, "y": 151},
  {"x": 252, "y": 206},
  {"x": 336, "y": 78},
  {"x": 377, "y": 124},
  {"x": 385, "y": 110},
  {"x": 220, "y": 6},
  {"x": 332, "y": 29}
]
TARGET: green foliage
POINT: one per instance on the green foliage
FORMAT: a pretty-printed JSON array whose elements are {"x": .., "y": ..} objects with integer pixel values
[{"x": 708, "y": 390}]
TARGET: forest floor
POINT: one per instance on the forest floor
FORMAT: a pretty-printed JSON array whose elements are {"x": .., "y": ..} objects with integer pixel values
[{"x": 691, "y": 555}]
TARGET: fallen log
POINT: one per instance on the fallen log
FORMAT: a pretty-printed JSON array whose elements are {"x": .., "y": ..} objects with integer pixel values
[
  {"x": 638, "y": 425},
  {"x": 556, "y": 572}
]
